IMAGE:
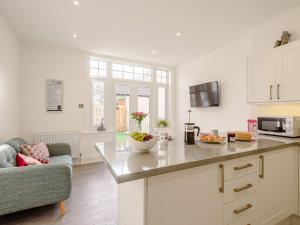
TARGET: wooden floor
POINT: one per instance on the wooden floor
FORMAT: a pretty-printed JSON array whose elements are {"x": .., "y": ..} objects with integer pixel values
[{"x": 93, "y": 202}]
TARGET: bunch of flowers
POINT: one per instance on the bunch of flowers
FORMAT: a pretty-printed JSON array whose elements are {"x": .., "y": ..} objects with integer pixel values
[{"x": 139, "y": 117}]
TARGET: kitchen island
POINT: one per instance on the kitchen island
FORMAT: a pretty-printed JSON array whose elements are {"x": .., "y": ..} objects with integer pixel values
[{"x": 204, "y": 183}]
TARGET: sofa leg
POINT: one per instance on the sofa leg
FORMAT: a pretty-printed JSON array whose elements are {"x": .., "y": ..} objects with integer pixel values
[{"x": 62, "y": 208}]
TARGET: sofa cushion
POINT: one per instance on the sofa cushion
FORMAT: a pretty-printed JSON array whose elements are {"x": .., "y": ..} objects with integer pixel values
[
  {"x": 38, "y": 151},
  {"x": 61, "y": 159},
  {"x": 15, "y": 143},
  {"x": 7, "y": 156}
]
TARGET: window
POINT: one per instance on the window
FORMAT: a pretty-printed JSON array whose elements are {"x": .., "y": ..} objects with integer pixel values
[
  {"x": 98, "y": 102},
  {"x": 161, "y": 76},
  {"x": 129, "y": 72},
  {"x": 161, "y": 103},
  {"x": 118, "y": 89},
  {"x": 98, "y": 68},
  {"x": 98, "y": 73}
]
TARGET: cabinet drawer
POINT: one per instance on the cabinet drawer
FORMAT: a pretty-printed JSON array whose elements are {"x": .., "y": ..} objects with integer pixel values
[
  {"x": 249, "y": 220},
  {"x": 240, "y": 187},
  {"x": 240, "y": 167},
  {"x": 239, "y": 209}
]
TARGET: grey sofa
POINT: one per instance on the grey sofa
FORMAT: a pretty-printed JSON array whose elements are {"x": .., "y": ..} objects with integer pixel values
[{"x": 32, "y": 186}]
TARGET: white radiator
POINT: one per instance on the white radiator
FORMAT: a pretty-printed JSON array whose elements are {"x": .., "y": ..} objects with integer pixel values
[{"x": 71, "y": 138}]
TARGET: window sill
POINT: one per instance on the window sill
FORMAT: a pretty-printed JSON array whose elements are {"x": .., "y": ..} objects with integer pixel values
[{"x": 97, "y": 132}]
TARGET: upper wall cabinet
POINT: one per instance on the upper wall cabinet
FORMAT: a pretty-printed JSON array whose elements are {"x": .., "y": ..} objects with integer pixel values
[{"x": 275, "y": 77}]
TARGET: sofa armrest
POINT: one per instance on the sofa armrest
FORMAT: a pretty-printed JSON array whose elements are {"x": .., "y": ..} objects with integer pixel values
[
  {"x": 32, "y": 186},
  {"x": 59, "y": 149}
]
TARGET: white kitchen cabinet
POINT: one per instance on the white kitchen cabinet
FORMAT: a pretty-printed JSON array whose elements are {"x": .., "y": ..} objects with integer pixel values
[
  {"x": 187, "y": 197},
  {"x": 262, "y": 73},
  {"x": 278, "y": 188},
  {"x": 288, "y": 86},
  {"x": 274, "y": 77}
]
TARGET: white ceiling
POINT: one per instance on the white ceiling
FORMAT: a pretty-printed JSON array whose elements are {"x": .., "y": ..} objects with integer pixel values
[{"x": 134, "y": 28}]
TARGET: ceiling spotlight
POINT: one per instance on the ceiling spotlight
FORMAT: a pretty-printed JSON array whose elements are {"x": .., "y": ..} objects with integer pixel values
[
  {"x": 75, "y": 35},
  {"x": 178, "y": 34},
  {"x": 77, "y": 3},
  {"x": 153, "y": 52}
]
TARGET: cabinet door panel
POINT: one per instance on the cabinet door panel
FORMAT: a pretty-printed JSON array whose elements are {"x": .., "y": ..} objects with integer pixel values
[
  {"x": 186, "y": 197},
  {"x": 289, "y": 87},
  {"x": 277, "y": 191},
  {"x": 261, "y": 77}
]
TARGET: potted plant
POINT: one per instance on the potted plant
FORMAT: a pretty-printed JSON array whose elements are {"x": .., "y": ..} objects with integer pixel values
[{"x": 162, "y": 123}]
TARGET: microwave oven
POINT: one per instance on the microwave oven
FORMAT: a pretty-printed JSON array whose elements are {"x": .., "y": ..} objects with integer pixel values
[{"x": 287, "y": 126}]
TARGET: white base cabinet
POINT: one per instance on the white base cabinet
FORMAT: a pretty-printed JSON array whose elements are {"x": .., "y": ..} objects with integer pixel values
[
  {"x": 278, "y": 186},
  {"x": 189, "y": 197},
  {"x": 257, "y": 190}
]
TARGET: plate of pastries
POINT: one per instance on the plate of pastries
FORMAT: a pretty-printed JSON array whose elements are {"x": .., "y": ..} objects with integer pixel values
[{"x": 212, "y": 139}]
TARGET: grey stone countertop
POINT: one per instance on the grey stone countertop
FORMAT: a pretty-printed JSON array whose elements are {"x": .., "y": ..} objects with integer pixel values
[{"x": 127, "y": 165}]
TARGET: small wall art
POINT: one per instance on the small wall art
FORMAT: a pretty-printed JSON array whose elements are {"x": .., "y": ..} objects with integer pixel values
[{"x": 54, "y": 95}]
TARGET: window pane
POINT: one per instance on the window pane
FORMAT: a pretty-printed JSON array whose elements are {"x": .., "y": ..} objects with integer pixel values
[
  {"x": 93, "y": 72},
  {"x": 128, "y": 76},
  {"x": 102, "y": 65},
  {"x": 147, "y": 71},
  {"x": 118, "y": 67},
  {"x": 122, "y": 109},
  {"x": 144, "y": 106},
  {"x": 102, "y": 73},
  {"x": 161, "y": 76},
  {"x": 98, "y": 101},
  {"x": 128, "y": 68},
  {"x": 138, "y": 76},
  {"x": 117, "y": 74},
  {"x": 147, "y": 78},
  {"x": 94, "y": 63},
  {"x": 138, "y": 70},
  {"x": 161, "y": 103}
]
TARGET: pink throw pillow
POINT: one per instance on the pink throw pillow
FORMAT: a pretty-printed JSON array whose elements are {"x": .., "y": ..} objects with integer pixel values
[
  {"x": 38, "y": 151},
  {"x": 29, "y": 160}
]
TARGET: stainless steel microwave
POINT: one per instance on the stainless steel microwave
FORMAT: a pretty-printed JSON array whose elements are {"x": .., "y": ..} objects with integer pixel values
[{"x": 287, "y": 126}]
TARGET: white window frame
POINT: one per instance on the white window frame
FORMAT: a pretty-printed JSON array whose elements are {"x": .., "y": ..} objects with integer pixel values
[{"x": 110, "y": 95}]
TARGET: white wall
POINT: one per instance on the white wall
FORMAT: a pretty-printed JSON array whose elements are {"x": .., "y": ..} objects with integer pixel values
[
  {"x": 40, "y": 62},
  {"x": 228, "y": 66},
  {"x": 9, "y": 83}
]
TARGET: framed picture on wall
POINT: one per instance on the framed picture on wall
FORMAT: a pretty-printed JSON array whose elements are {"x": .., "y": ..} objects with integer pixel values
[{"x": 54, "y": 95}]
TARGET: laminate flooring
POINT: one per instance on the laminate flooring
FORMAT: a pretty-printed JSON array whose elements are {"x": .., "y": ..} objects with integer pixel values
[{"x": 93, "y": 201}]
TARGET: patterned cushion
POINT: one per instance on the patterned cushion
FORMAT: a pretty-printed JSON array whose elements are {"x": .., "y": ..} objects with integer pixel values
[
  {"x": 37, "y": 151},
  {"x": 20, "y": 161},
  {"x": 29, "y": 160}
]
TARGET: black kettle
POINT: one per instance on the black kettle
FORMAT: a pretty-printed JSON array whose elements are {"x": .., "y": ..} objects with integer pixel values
[{"x": 189, "y": 133}]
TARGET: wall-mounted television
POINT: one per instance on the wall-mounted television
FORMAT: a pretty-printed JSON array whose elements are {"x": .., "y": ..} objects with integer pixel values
[{"x": 205, "y": 95}]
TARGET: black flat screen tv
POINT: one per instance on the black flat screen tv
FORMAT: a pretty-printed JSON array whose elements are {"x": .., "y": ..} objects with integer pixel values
[{"x": 205, "y": 95}]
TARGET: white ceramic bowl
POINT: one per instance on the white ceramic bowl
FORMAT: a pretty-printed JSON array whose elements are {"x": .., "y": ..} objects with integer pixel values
[{"x": 142, "y": 146}]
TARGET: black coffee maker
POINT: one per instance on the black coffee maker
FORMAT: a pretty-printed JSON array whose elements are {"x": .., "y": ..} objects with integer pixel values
[{"x": 189, "y": 132}]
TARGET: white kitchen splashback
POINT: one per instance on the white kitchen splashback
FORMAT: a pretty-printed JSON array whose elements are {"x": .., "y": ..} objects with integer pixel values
[{"x": 71, "y": 138}]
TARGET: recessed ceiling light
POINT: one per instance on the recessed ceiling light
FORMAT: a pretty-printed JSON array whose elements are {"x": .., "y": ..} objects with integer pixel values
[
  {"x": 153, "y": 52},
  {"x": 75, "y": 35},
  {"x": 178, "y": 34},
  {"x": 77, "y": 3}
]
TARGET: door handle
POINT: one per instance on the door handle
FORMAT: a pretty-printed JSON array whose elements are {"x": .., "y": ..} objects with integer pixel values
[
  {"x": 243, "y": 166},
  {"x": 271, "y": 92},
  {"x": 278, "y": 91},
  {"x": 243, "y": 188},
  {"x": 246, "y": 207},
  {"x": 262, "y": 166},
  {"x": 221, "y": 167}
]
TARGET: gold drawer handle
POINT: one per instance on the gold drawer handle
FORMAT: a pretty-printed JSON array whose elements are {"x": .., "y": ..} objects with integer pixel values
[
  {"x": 243, "y": 167},
  {"x": 243, "y": 188},
  {"x": 238, "y": 211}
]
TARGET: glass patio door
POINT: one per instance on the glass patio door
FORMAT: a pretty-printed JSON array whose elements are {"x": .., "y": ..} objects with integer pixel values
[{"x": 131, "y": 97}]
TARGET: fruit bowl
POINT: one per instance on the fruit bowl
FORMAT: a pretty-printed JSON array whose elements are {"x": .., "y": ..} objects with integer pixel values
[{"x": 142, "y": 146}]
